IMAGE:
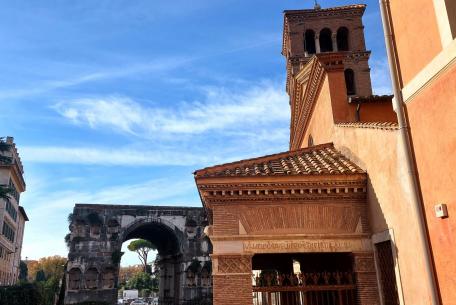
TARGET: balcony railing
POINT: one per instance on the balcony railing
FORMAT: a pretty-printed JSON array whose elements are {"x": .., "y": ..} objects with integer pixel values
[{"x": 325, "y": 288}]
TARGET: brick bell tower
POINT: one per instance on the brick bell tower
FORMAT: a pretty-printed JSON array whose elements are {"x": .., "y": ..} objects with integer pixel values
[{"x": 321, "y": 30}]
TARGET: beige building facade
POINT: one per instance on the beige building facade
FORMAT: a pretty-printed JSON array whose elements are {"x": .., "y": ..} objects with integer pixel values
[{"x": 12, "y": 215}]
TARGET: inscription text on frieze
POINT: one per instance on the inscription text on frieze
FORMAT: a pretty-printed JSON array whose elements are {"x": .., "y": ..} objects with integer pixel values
[{"x": 303, "y": 245}]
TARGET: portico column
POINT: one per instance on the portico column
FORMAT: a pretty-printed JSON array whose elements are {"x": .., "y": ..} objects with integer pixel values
[
  {"x": 232, "y": 279},
  {"x": 334, "y": 41},
  {"x": 366, "y": 279},
  {"x": 317, "y": 43}
]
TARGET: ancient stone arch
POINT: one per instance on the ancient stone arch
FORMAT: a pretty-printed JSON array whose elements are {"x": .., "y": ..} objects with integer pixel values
[{"x": 96, "y": 237}]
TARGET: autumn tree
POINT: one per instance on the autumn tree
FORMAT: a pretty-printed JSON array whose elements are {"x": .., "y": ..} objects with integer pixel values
[
  {"x": 52, "y": 267},
  {"x": 125, "y": 273},
  {"x": 142, "y": 248}
]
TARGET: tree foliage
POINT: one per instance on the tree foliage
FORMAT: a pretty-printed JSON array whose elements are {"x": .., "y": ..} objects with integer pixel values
[
  {"x": 40, "y": 276},
  {"x": 126, "y": 273},
  {"x": 142, "y": 248},
  {"x": 52, "y": 266},
  {"x": 140, "y": 281},
  {"x": 23, "y": 271}
]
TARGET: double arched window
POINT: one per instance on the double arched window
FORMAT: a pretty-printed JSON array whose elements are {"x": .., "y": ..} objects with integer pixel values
[
  {"x": 342, "y": 39},
  {"x": 326, "y": 40},
  {"x": 309, "y": 42},
  {"x": 350, "y": 81}
]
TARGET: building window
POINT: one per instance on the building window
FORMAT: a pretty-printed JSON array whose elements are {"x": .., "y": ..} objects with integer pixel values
[
  {"x": 14, "y": 191},
  {"x": 326, "y": 40},
  {"x": 451, "y": 11},
  {"x": 11, "y": 210},
  {"x": 8, "y": 232},
  {"x": 309, "y": 42},
  {"x": 310, "y": 141},
  {"x": 350, "y": 81},
  {"x": 342, "y": 39}
]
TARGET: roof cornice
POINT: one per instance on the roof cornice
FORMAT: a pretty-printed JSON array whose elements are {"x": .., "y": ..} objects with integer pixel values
[{"x": 308, "y": 83}]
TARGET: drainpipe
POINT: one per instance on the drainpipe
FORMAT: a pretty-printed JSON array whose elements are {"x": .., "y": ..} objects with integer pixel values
[{"x": 412, "y": 178}]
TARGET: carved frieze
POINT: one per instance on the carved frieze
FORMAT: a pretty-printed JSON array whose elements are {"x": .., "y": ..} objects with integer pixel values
[{"x": 302, "y": 218}]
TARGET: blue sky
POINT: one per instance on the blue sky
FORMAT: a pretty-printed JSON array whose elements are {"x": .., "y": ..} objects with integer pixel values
[{"x": 120, "y": 101}]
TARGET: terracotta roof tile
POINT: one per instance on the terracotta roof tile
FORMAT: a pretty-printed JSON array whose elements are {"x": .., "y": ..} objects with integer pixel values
[{"x": 317, "y": 160}]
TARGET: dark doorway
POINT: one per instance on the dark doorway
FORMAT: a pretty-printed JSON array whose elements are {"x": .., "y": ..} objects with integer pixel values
[{"x": 387, "y": 274}]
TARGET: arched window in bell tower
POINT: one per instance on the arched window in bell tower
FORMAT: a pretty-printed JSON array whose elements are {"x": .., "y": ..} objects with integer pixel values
[
  {"x": 326, "y": 40},
  {"x": 309, "y": 42},
  {"x": 350, "y": 81},
  {"x": 342, "y": 39}
]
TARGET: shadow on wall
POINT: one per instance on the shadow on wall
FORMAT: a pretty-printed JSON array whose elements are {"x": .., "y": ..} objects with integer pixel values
[{"x": 376, "y": 216}]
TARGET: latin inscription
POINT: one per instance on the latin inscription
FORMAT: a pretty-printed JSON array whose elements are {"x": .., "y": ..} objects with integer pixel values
[{"x": 302, "y": 245}]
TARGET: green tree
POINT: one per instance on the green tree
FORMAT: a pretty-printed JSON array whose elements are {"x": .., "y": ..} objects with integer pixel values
[
  {"x": 40, "y": 276},
  {"x": 139, "y": 281},
  {"x": 23, "y": 271},
  {"x": 142, "y": 247}
]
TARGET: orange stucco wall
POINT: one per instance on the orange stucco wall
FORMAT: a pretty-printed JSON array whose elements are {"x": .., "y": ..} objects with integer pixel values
[
  {"x": 377, "y": 112},
  {"x": 432, "y": 117},
  {"x": 417, "y": 35},
  {"x": 379, "y": 153}
]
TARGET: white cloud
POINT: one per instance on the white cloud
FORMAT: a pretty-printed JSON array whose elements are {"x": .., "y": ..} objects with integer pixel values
[
  {"x": 221, "y": 109},
  {"x": 111, "y": 156}
]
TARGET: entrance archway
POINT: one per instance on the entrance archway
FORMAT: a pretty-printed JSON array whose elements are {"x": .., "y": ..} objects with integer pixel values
[
  {"x": 95, "y": 251},
  {"x": 167, "y": 239}
]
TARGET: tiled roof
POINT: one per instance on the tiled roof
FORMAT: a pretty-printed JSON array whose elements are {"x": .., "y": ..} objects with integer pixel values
[
  {"x": 371, "y": 125},
  {"x": 329, "y": 9},
  {"x": 317, "y": 160}
]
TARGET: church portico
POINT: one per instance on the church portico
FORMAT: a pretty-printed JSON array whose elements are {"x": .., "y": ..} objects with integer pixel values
[{"x": 305, "y": 207}]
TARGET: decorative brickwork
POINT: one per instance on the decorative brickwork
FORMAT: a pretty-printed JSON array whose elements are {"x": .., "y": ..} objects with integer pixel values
[
  {"x": 366, "y": 279},
  {"x": 234, "y": 264}
]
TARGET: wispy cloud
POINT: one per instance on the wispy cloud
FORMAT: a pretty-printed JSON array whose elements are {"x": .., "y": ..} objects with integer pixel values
[
  {"x": 112, "y": 156},
  {"x": 221, "y": 109},
  {"x": 159, "y": 65}
]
